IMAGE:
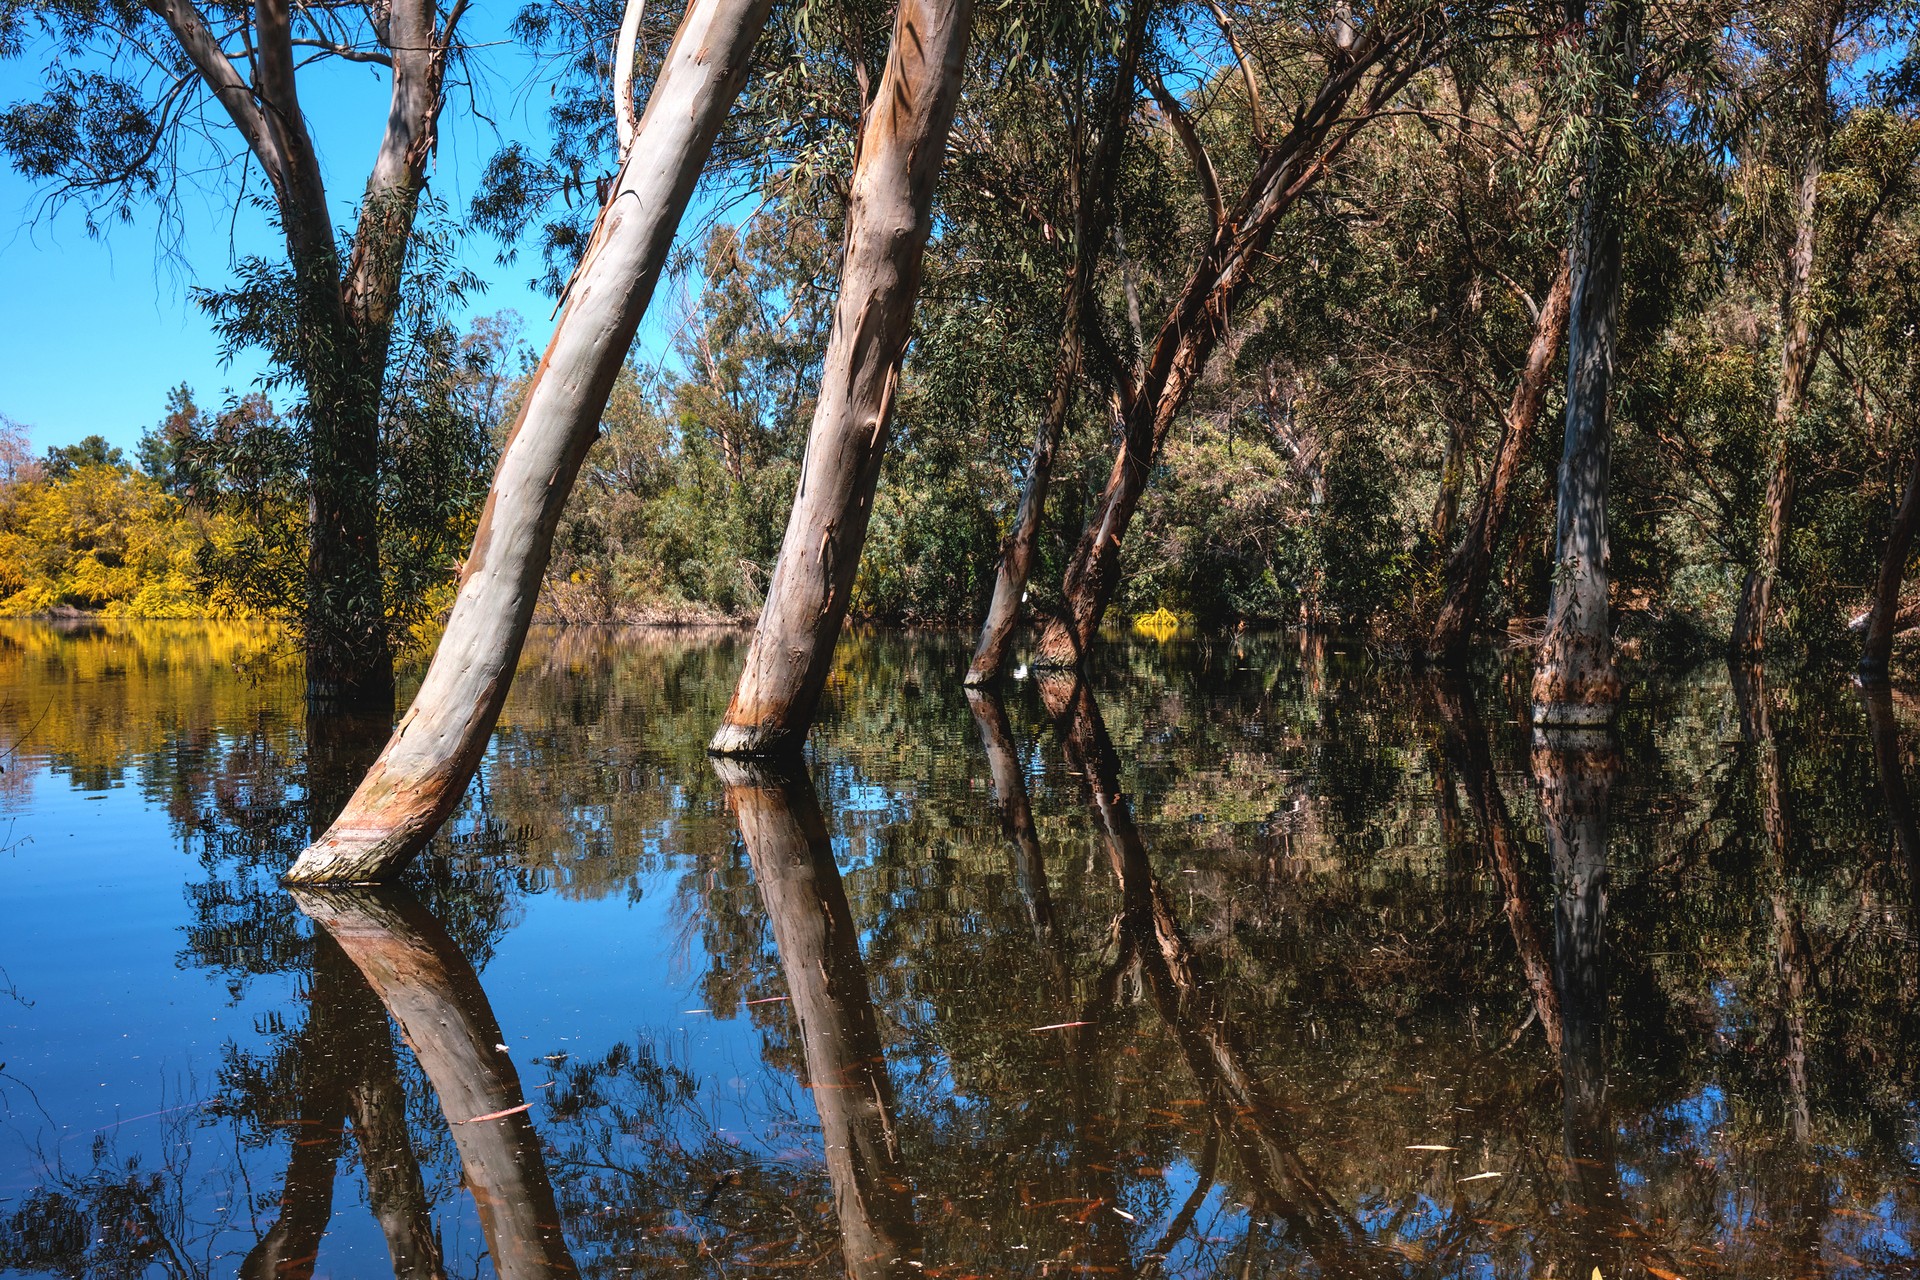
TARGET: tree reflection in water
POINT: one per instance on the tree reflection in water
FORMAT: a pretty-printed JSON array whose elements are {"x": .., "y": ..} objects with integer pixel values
[{"x": 1167, "y": 983}]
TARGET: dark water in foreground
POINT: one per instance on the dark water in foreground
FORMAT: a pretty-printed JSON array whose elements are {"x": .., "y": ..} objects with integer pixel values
[{"x": 1256, "y": 960}]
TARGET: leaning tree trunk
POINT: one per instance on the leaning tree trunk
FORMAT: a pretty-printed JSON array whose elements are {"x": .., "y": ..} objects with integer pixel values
[
  {"x": 819, "y": 945},
  {"x": 1799, "y": 346},
  {"x": 1471, "y": 564},
  {"x": 1876, "y": 656},
  {"x": 889, "y": 214},
  {"x": 1574, "y": 681},
  {"x": 1153, "y": 395},
  {"x": 1093, "y": 199},
  {"x": 433, "y": 753},
  {"x": 433, "y": 995}
]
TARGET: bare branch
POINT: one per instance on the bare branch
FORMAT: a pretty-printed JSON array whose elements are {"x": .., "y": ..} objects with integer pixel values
[
  {"x": 346, "y": 51},
  {"x": 1225, "y": 22},
  {"x": 623, "y": 115}
]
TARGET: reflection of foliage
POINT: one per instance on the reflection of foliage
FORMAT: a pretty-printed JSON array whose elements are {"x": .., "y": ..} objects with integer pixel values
[{"x": 1315, "y": 845}]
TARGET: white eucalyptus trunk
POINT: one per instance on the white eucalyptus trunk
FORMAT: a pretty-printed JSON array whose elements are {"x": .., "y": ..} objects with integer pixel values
[
  {"x": 889, "y": 213},
  {"x": 434, "y": 751}
]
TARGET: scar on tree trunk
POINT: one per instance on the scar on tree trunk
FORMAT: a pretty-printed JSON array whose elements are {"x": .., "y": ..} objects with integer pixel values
[
  {"x": 1470, "y": 567},
  {"x": 433, "y": 753},
  {"x": 889, "y": 215},
  {"x": 1093, "y": 188}
]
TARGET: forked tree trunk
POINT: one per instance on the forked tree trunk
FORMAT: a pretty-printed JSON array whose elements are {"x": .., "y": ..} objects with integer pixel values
[
  {"x": 1093, "y": 216},
  {"x": 432, "y": 993},
  {"x": 1471, "y": 565},
  {"x": 819, "y": 946},
  {"x": 889, "y": 214},
  {"x": 1152, "y": 395},
  {"x": 1799, "y": 347},
  {"x": 433, "y": 753},
  {"x": 1574, "y": 681},
  {"x": 1876, "y": 655}
]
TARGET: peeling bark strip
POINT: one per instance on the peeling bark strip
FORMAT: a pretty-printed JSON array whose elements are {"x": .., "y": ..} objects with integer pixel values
[
  {"x": 1093, "y": 218},
  {"x": 433, "y": 753},
  {"x": 432, "y": 992},
  {"x": 1152, "y": 395},
  {"x": 889, "y": 214},
  {"x": 1574, "y": 681},
  {"x": 813, "y": 929},
  {"x": 1471, "y": 564}
]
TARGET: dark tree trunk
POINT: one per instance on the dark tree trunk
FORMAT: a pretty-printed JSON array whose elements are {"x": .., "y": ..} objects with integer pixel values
[
  {"x": 432, "y": 993},
  {"x": 1471, "y": 565},
  {"x": 813, "y": 928},
  {"x": 889, "y": 215},
  {"x": 1792, "y": 956},
  {"x": 1881, "y": 727},
  {"x": 1093, "y": 217},
  {"x": 1876, "y": 652},
  {"x": 1016, "y": 811}
]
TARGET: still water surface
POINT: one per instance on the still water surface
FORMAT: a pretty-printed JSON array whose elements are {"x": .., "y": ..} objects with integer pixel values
[{"x": 1252, "y": 958}]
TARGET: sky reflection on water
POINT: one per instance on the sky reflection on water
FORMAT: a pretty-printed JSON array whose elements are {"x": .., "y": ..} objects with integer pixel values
[{"x": 1249, "y": 957}]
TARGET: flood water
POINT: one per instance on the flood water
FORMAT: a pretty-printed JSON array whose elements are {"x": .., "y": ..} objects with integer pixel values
[{"x": 1251, "y": 957}]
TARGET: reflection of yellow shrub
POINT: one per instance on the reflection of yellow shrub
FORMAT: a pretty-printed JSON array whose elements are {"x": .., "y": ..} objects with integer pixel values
[
  {"x": 103, "y": 539},
  {"x": 1162, "y": 624}
]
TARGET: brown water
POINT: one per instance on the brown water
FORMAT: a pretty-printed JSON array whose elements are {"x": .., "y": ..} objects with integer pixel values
[{"x": 1250, "y": 958}]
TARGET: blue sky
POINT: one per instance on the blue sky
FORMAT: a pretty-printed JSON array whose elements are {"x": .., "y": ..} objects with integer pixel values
[{"x": 94, "y": 331}]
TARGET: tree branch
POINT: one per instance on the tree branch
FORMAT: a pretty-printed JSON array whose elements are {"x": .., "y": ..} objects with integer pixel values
[
  {"x": 1203, "y": 170},
  {"x": 625, "y": 123}
]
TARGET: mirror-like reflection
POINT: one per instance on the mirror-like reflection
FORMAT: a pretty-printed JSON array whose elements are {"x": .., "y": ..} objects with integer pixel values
[{"x": 1247, "y": 958}]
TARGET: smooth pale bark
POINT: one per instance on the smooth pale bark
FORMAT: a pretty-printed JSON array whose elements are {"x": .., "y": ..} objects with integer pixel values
[
  {"x": 434, "y": 751},
  {"x": 433, "y": 995},
  {"x": 1471, "y": 565},
  {"x": 889, "y": 215},
  {"x": 1465, "y": 747},
  {"x": 819, "y": 945},
  {"x": 1876, "y": 651},
  {"x": 1152, "y": 395},
  {"x": 1574, "y": 769},
  {"x": 1093, "y": 211},
  {"x": 1241, "y": 1105},
  {"x": 1799, "y": 347}
]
